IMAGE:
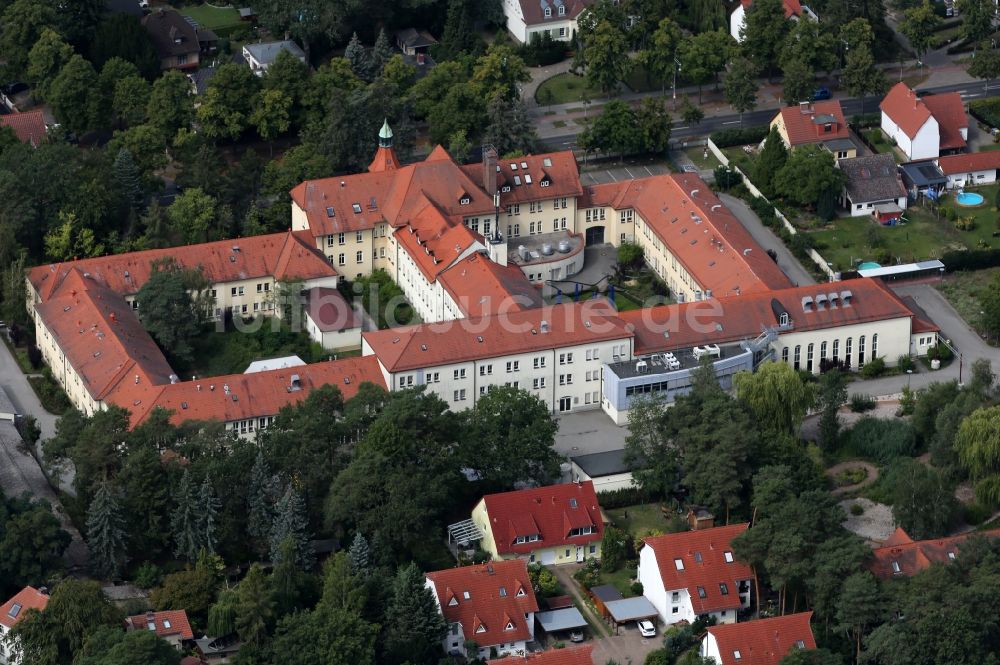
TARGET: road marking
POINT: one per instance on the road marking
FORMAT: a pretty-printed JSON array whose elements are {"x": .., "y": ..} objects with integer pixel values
[
  {"x": 611, "y": 175},
  {"x": 568, "y": 143},
  {"x": 647, "y": 170},
  {"x": 731, "y": 122},
  {"x": 977, "y": 94},
  {"x": 684, "y": 127},
  {"x": 629, "y": 173}
]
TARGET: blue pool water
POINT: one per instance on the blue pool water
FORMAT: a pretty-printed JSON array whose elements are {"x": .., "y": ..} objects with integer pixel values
[
  {"x": 868, "y": 265},
  {"x": 969, "y": 199}
]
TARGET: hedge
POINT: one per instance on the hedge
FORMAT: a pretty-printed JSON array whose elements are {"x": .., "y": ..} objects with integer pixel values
[
  {"x": 627, "y": 496},
  {"x": 986, "y": 110},
  {"x": 724, "y": 138},
  {"x": 867, "y": 121},
  {"x": 972, "y": 259}
]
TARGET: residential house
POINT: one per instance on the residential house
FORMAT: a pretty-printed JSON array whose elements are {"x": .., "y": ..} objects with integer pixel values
[
  {"x": 492, "y": 604},
  {"x": 578, "y": 655},
  {"x": 174, "y": 38},
  {"x": 261, "y": 54},
  {"x": 11, "y": 612},
  {"x": 695, "y": 573},
  {"x": 923, "y": 179},
  {"x": 171, "y": 625},
  {"x": 415, "y": 44},
  {"x": 794, "y": 11},
  {"x": 970, "y": 169},
  {"x": 874, "y": 186},
  {"x": 760, "y": 642},
  {"x": 28, "y": 126},
  {"x": 901, "y": 556},
  {"x": 924, "y": 127},
  {"x": 607, "y": 470},
  {"x": 331, "y": 321},
  {"x": 555, "y": 524},
  {"x": 816, "y": 123},
  {"x": 557, "y": 18}
]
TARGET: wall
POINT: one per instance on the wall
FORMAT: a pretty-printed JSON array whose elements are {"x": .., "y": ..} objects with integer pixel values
[
  {"x": 893, "y": 341},
  {"x": 609, "y": 483},
  {"x": 959, "y": 180},
  {"x": 736, "y": 21}
]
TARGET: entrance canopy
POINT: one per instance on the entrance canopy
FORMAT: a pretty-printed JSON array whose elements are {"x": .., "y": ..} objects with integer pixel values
[
  {"x": 630, "y": 609},
  {"x": 556, "y": 620}
]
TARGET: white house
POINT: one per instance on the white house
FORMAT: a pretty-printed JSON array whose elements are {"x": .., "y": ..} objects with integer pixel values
[
  {"x": 794, "y": 10},
  {"x": 492, "y": 604},
  {"x": 873, "y": 185},
  {"x": 761, "y": 642},
  {"x": 261, "y": 54},
  {"x": 331, "y": 320},
  {"x": 558, "y": 18},
  {"x": 970, "y": 169},
  {"x": 11, "y": 612},
  {"x": 924, "y": 127},
  {"x": 607, "y": 470},
  {"x": 695, "y": 573}
]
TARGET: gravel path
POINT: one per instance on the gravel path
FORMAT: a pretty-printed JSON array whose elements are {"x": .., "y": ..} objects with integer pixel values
[
  {"x": 836, "y": 469},
  {"x": 874, "y": 525}
]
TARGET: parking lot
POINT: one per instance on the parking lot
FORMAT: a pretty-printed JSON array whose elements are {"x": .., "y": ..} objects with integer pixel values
[{"x": 616, "y": 173}]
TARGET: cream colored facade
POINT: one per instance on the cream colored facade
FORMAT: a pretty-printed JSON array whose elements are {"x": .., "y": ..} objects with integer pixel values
[
  {"x": 548, "y": 555},
  {"x": 778, "y": 122},
  {"x": 858, "y": 344},
  {"x": 63, "y": 371}
]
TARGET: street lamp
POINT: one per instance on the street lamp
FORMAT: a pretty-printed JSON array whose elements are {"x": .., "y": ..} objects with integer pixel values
[{"x": 677, "y": 68}]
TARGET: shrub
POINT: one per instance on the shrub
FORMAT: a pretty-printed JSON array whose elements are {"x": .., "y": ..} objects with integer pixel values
[
  {"x": 857, "y": 509},
  {"x": 975, "y": 259},
  {"x": 726, "y": 178},
  {"x": 589, "y": 575},
  {"x": 987, "y": 110},
  {"x": 976, "y": 513},
  {"x": 965, "y": 223},
  {"x": 883, "y": 440},
  {"x": 861, "y": 403},
  {"x": 636, "y": 588},
  {"x": 627, "y": 496},
  {"x": 867, "y": 120},
  {"x": 34, "y": 356},
  {"x": 542, "y": 50},
  {"x": 904, "y": 363},
  {"x": 725, "y": 138},
  {"x": 940, "y": 352},
  {"x": 630, "y": 255},
  {"x": 543, "y": 581},
  {"x": 873, "y": 369},
  {"x": 148, "y": 576},
  {"x": 851, "y": 476}
]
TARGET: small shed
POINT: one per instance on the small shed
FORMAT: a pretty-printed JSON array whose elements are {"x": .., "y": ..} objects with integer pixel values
[
  {"x": 602, "y": 595},
  {"x": 607, "y": 470},
  {"x": 699, "y": 517},
  {"x": 415, "y": 43},
  {"x": 630, "y": 609},
  {"x": 247, "y": 14},
  {"x": 559, "y": 621},
  {"x": 558, "y": 602},
  {"x": 887, "y": 214}
]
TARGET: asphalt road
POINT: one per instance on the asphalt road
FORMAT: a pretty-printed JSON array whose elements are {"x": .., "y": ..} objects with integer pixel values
[{"x": 852, "y": 106}]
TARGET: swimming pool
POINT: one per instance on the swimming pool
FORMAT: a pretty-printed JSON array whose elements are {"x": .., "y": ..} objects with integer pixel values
[
  {"x": 868, "y": 265},
  {"x": 969, "y": 199}
]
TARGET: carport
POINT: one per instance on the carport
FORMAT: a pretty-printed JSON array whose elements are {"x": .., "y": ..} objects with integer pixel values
[
  {"x": 630, "y": 609},
  {"x": 558, "y": 621}
]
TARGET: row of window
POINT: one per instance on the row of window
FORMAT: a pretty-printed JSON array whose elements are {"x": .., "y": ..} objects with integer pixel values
[
  {"x": 835, "y": 357},
  {"x": 562, "y": 11},
  {"x": 341, "y": 238},
  {"x": 594, "y": 215}
]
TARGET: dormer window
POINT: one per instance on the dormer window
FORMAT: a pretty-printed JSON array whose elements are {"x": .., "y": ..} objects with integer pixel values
[
  {"x": 581, "y": 531},
  {"x": 453, "y": 601},
  {"x": 562, "y": 10},
  {"x": 783, "y": 319},
  {"x": 481, "y": 629},
  {"x": 520, "y": 593},
  {"x": 464, "y": 201},
  {"x": 548, "y": 12},
  {"x": 679, "y": 564},
  {"x": 544, "y": 182},
  {"x": 509, "y": 626},
  {"x": 828, "y": 127},
  {"x": 506, "y": 188}
]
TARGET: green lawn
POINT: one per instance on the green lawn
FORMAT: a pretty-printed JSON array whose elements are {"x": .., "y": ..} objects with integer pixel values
[
  {"x": 847, "y": 241},
  {"x": 565, "y": 88},
  {"x": 639, "y": 80},
  {"x": 20, "y": 354},
  {"x": 212, "y": 17},
  {"x": 878, "y": 139},
  {"x": 50, "y": 393},
  {"x": 962, "y": 290},
  {"x": 697, "y": 155},
  {"x": 642, "y": 519},
  {"x": 621, "y": 579}
]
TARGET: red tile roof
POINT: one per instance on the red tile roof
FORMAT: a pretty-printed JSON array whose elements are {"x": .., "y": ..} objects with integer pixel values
[
  {"x": 901, "y": 555},
  {"x": 481, "y": 287},
  {"x": 949, "y": 111},
  {"x": 548, "y": 512},
  {"x": 969, "y": 162},
  {"x": 166, "y": 624},
  {"x": 431, "y": 344},
  {"x": 489, "y": 600},
  {"x": 905, "y": 109},
  {"x": 28, "y": 598},
  {"x": 254, "y": 395},
  {"x": 582, "y": 655},
  {"x": 534, "y": 14},
  {"x": 101, "y": 337},
  {"x": 792, "y": 7},
  {"x": 805, "y": 124},
  {"x": 385, "y": 160},
  {"x": 432, "y": 241},
  {"x": 706, "y": 574},
  {"x": 330, "y": 311},
  {"x": 731, "y": 319},
  {"x": 708, "y": 240},
  {"x": 28, "y": 126},
  {"x": 558, "y": 169},
  {"x": 282, "y": 255},
  {"x": 765, "y": 641}
]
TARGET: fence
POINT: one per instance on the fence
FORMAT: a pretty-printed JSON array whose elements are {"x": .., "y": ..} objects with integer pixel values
[{"x": 816, "y": 257}]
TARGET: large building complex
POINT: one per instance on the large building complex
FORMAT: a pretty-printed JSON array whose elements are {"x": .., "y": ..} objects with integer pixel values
[{"x": 476, "y": 249}]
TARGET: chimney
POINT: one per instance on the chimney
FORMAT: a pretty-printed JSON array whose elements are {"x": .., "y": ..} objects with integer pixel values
[{"x": 490, "y": 169}]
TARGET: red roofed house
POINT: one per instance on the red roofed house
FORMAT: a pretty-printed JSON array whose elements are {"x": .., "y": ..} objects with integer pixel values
[
  {"x": 924, "y": 127},
  {"x": 761, "y": 642},
  {"x": 28, "y": 126},
  {"x": 549, "y": 525},
  {"x": 28, "y": 598},
  {"x": 331, "y": 321},
  {"x": 581, "y": 655},
  {"x": 812, "y": 123},
  {"x": 794, "y": 10},
  {"x": 492, "y": 604},
  {"x": 533, "y": 18},
  {"x": 695, "y": 573},
  {"x": 901, "y": 556},
  {"x": 171, "y": 625},
  {"x": 968, "y": 169}
]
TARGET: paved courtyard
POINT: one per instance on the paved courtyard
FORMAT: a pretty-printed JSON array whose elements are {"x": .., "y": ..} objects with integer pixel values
[{"x": 588, "y": 432}]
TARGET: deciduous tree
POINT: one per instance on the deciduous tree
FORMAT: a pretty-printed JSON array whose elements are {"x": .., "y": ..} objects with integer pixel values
[
  {"x": 72, "y": 95},
  {"x": 703, "y": 56},
  {"x": 171, "y": 106},
  {"x": 776, "y": 394},
  {"x": 46, "y": 59},
  {"x": 227, "y": 108},
  {"x": 763, "y": 33},
  {"x": 918, "y": 26},
  {"x": 254, "y": 606},
  {"x": 606, "y": 54},
  {"x": 741, "y": 86},
  {"x": 170, "y": 312}
]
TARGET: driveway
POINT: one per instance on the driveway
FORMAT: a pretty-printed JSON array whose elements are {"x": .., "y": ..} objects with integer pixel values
[
  {"x": 21, "y": 393},
  {"x": 765, "y": 238},
  {"x": 616, "y": 173},
  {"x": 588, "y": 432}
]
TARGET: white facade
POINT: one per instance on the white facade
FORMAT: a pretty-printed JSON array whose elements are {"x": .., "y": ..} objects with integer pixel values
[
  {"x": 710, "y": 648},
  {"x": 856, "y": 344},
  {"x": 972, "y": 179},
  {"x": 924, "y": 145},
  {"x": 334, "y": 340},
  {"x": 863, "y": 208},
  {"x": 454, "y": 640},
  {"x": 673, "y": 605},
  {"x": 608, "y": 483},
  {"x": 566, "y": 379},
  {"x": 736, "y": 21},
  {"x": 556, "y": 24}
]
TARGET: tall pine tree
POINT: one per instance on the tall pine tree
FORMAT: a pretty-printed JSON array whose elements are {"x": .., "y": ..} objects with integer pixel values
[
  {"x": 772, "y": 157},
  {"x": 380, "y": 54},
  {"x": 510, "y": 129},
  {"x": 184, "y": 521},
  {"x": 358, "y": 57},
  {"x": 458, "y": 36},
  {"x": 209, "y": 506},
  {"x": 260, "y": 500},
  {"x": 290, "y": 522},
  {"x": 129, "y": 179},
  {"x": 417, "y": 625},
  {"x": 106, "y": 532},
  {"x": 361, "y": 555}
]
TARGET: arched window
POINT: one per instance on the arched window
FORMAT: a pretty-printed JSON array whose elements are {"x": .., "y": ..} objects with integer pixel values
[
  {"x": 809, "y": 358},
  {"x": 848, "y": 347},
  {"x": 822, "y": 350},
  {"x": 874, "y": 346},
  {"x": 562, "y": 10},
  {"x": 798, "y": 356},
  {"x": 548, "y": 12},
  {"x": 861, "y": 351},
  {"x": 784, "y": 355}
]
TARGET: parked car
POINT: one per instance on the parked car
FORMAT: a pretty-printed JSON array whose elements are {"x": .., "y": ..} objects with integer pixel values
[
  {"x": 821, "y": 93},
  {"x": 576, "y": 635},
  {"x": 690, "y": 168},
  {"x": 646, "y": 628}
]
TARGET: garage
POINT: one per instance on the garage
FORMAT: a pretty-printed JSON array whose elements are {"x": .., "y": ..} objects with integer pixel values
[
  {"x": 628, "y": 610},
  {"x": 595, "y": 235},
  {"x": 548, "y": 558},
  {"x": 561, "y": 623}
]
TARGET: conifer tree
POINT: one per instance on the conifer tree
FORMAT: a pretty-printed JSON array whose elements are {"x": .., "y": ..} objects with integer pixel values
[
  {"x": 358, "y": 57},
  {"x": 254, "y": 606},
  {"x": 381, "y": 53},
  {"x": 413, "y": 613},
  {"x": 458, "y": 36},
  {"x": 128, "y": 178},
  {"x": 106, "y": 532},
  {"x": 290, "y": 522},
  {"x": 260, "y": 500},
  {"x": 360, "y": 554},
  {"x": 772, "y": 158},
  {"x": 184, "y": 521},
  {"x": 209, "y": 506}
]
